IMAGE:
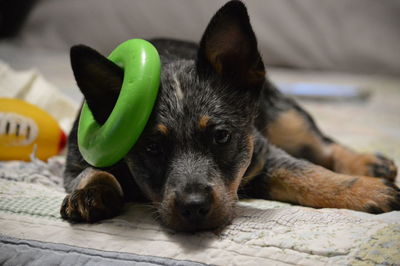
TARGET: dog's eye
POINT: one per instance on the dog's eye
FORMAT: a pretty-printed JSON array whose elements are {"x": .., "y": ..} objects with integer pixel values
[
  {"x": 222, "y": 136},
  {"x": 153, "y": 148}
]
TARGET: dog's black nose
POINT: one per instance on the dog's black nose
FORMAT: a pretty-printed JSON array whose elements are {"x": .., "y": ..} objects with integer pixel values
[{"x": 194, "y": 207}]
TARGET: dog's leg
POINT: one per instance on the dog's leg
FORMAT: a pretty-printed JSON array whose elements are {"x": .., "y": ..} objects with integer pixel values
[
  {"x": 297, "y": 181},
  {"x": 97, "y": 195},
  {"x": 293, "y": 130}
]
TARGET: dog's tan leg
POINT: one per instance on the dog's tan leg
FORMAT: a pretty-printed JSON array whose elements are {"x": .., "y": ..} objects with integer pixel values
[
  {"x": 288, "y": 179},
  {"x": 97, "y": 195},
  {"x": 294, "y": 131}
]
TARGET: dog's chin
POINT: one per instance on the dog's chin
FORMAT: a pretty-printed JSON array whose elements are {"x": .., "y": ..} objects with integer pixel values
[{"x": 217, "y": 219}]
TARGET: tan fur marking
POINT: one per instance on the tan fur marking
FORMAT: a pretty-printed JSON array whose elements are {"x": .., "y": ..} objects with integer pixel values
[
  {"x": 240, "y": 179},
  {"x": 162, "y": 129},
  {"x": 347, "y": 161},
  {"x": 234, "y": 186},
  {"x": 255, "y": 171},
  {"x": 213, "y": 58},
  {"x": 256, "y": 76},
  {"x": 222, "y": 209},
  {"x": 91, "y": 176},
  {"x": 252, "y": 172},
  {"x": 291, "y": 132},
  {"x": 309, "y": 189},
  {"x": 322, "y": 188},
  {"x": 203, "y": 121}
]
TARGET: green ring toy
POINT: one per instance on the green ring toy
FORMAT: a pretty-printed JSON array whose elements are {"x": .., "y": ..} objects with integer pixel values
[{"x": 104, "y": 145}]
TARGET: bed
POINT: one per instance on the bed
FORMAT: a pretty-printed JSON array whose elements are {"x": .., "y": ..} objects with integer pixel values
[{"x": 263, "y": 232}]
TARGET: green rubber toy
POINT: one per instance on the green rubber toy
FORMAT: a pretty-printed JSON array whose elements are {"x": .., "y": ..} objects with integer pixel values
[{"x": 104, "y": 145}]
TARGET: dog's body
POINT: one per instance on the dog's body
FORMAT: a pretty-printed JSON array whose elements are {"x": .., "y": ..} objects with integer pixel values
[{"x": 219, "y": 129}]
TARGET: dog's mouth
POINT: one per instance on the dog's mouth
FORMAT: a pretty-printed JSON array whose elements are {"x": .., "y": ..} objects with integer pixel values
[
  {"x": 197, "y": 216},
  {"x": 182, "y": 225}
]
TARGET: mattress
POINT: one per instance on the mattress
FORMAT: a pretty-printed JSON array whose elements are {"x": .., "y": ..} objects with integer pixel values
[{"x": 263, "y": 232}]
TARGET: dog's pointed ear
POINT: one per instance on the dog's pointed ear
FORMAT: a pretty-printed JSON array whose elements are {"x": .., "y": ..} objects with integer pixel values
[
  {"x": 98, "y": 78},
  {"x": 229, "y": 47}
]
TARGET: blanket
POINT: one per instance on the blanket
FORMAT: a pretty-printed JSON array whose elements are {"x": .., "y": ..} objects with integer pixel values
[{"x": 263, "y": 232}]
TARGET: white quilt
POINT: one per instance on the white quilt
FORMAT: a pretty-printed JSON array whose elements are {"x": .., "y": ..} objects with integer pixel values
[{"x": 264, "y": 232}]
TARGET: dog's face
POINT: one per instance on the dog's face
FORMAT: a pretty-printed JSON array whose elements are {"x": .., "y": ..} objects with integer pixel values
[{"x": 198, "y": 143}]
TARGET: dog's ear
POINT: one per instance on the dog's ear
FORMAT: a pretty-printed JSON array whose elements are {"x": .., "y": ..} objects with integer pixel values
[
  {"x": 229, "y": 47},
  {"x": 98, "y": 78}
]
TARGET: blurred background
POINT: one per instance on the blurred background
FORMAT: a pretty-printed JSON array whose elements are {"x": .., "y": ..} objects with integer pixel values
[
  {"x": 358, "y": 36},
  {"x": 342, "y": 43}
]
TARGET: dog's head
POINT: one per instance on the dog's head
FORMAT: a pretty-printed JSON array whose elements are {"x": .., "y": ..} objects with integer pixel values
[{"x": 198, "y": 143}]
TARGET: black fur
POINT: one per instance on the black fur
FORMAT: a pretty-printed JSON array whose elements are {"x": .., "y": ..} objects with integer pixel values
[{"x": 223, "y": 80}]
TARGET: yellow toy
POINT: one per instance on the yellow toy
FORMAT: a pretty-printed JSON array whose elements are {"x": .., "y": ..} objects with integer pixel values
[{"x": 24, "y": 125}]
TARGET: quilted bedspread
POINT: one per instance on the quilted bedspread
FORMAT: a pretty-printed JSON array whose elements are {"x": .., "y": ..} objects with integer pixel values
[{"x": 263, "y": 233}]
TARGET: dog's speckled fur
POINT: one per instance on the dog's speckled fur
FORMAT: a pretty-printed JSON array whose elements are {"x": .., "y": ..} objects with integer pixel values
[{"x": 218, "y": 129}]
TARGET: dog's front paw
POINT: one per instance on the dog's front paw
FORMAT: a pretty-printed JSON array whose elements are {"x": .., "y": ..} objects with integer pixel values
[
  {"x": 92, "y": 203},
  {"x": 380, "y": 166},
  {"x": 378, "y": 195},
  {"x": 368, "y": 165},
  {"x": 346, "y": 161}
]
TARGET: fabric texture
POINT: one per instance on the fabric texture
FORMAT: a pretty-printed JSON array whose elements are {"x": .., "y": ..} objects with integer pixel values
[
  {"x": 263, "y": 233},
  {"x": 22, "y": 252}
]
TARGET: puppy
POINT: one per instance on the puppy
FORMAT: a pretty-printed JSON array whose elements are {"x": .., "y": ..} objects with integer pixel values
[{"x": 219, "y": 129}]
